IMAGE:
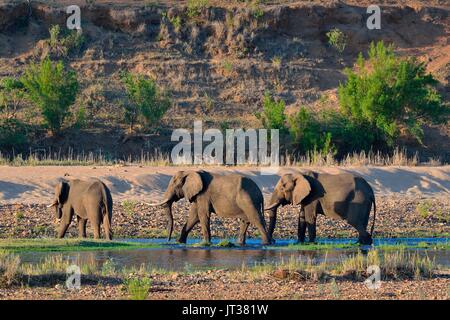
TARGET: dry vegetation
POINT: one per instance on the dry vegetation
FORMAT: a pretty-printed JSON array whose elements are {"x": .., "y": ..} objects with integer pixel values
[{"x": 217, "y": 59}]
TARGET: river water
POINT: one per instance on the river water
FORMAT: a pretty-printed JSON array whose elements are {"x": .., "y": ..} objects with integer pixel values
[{"x": 175, "y": 257}]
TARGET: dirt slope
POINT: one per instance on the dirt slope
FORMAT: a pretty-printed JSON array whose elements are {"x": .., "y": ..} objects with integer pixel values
[{"x": 218, "y": 64}]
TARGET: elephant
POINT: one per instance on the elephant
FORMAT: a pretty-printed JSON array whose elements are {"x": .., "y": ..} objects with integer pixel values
[
  {"x": 341, "y": 196},
  {"x": 229, "y": 196},
  {"x": 88, "y": 200}
]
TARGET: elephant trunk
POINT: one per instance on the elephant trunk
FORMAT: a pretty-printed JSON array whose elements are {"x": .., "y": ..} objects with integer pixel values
[{"x": 168, "y": 210}]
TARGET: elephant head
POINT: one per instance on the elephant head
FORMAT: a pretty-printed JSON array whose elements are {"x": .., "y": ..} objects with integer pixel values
[
  {"x": 184, "y": 184},
  {"x": 290, "y": 189},
  {"x": 61, "y": 194}
]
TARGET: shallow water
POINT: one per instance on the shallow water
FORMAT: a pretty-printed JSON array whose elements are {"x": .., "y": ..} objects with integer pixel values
[{"x": 177, "y": 257}]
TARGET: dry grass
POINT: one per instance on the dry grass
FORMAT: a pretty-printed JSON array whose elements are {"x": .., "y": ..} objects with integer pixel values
[{"x": 398, "y": 158}]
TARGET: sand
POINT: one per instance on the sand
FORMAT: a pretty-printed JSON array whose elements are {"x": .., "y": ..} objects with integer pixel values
[{"x": 34, "y": 185}]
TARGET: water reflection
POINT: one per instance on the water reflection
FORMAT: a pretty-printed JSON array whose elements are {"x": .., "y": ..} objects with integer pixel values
[{"x": 179, "y": 258}]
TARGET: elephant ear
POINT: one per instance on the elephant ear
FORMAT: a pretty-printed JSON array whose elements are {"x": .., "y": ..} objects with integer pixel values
[
  {"x": 193, "y": 185},
  {"x": 301, "y": 190},
  {"x": 61, "y": 192}
]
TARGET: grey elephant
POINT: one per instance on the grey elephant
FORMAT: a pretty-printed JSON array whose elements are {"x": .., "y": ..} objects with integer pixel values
[
  {"x": 229, "y": 196},
  {"x": 341, "y": 196},
  {"x": 88, "y": 200}
]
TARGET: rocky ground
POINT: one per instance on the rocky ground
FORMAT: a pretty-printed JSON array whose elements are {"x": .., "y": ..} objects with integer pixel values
[
  {"x": 223, "y": 284},
  {"x": 397, "y": 215}
]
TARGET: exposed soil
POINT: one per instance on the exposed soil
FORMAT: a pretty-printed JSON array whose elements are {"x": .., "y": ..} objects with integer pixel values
[
  {"x": 397, "y": 216},
  {"x": 218, "y": 65},
  {"x": 222, "y": 284}
]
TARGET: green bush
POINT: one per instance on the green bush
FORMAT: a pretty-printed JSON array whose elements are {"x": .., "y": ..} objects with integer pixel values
[
  {"x": 337, "y": 39},
  {"x": 138, "y": 288},
  {"x": 145, "y": 100},
  {"x": 387, "y": 94},
  {"x": 71, "y": 41},
  {"x": 13, "y": 134},
  {"x": 53, "y": 89},
  {"x": 272, "y": 116},
  {"x": 11, "y": 96},
  {"x": 195, "y": 7},
  {"x": 307, "y": 134}
]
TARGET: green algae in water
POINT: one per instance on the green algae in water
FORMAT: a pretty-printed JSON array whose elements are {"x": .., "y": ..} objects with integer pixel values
[{"x": 52, "y": 245}]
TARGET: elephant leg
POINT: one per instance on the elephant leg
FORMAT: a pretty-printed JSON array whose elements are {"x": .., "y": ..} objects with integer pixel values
[
  {"x": 191, "y": 222},
  {"x": 82, "y": 227},
  {"x": 243, "y": 231},
  {"x": 107, "y": 228},
  {"x": 62, "y": 229},
  {"x": 65, "y": 222},
  {"x": 272, "y": 223},
  {"x": 364, "y": 237},
  {"x": 301, "y": 231},
  {"x": 311, "y": 231},
  {"x": 254, "y": 216},
  {"x": 96, "y": 229},
  {"x": 206, "y": 229}
]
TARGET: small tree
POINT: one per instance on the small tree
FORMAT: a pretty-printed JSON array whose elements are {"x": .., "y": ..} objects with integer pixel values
[
  {"x": 307, "y": 134},
  {"x": 272, "y": 116},
  {"x": 53, "y": 89},
  {"x": 388, "y": 94},
  {"x": 11, "y": 96},
  {"x": 145, "y": 100},
  {"x": 337, "y": 39}
]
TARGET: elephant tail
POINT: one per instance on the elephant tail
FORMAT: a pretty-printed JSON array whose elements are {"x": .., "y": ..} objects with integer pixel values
[
  {"x": 106, "y": 211},
  {"x": 374, "y": 216}
]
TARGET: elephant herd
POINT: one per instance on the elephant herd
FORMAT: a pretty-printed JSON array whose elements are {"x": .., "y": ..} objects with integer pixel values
[{"x": 341, "y": 196}]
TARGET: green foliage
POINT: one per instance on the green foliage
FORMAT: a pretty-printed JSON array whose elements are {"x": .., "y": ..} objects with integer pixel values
[
  {"x": 65, "y": 43},
  {"x": 129, "y": 206},
  {"x": 273, "y": 116},
  {"x": 337, "y": 39},
  {"x": 176, "y": 22},
  {"x": 53, "y": 89},
  {"x": 386, "y": 94},
  {"x": 146, "y": 100},
  {"x": 11, "y": 96},
  {"x": 307, "y": 134},
  {"x": 138, "y": 288},
  {"x": 195, "y": 7},
  {"x": 13, "y": 134},
  {"x": 424, "y": 209},
  {"x": 81, "y": 117}
]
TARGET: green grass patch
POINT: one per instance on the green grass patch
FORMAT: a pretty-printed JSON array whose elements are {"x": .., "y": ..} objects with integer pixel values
[{"x": 52, "y": 245}]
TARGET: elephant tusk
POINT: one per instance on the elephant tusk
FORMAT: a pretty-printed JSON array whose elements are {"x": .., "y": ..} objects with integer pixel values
[
  {"x": 158, "y": 204},
  {"x": 271, "y": 206}
]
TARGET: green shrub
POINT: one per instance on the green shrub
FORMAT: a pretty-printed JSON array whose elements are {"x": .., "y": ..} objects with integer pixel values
[
  {"x": 13, "y": 134},
  {"x": 138, "y": 289},
  {"x": 53, "y": 89},
  {"x": 385, "y": 94},
  {"x": 145, "y": 100},
  {"x": 337, "y": 39},
  {"x": 195, "y": 7},
  {"x": 272, "y": 116},
  {"x": 63, "y": 44},
  {"x": 307, "y": 135},
  {"x": 11, "y": 96}
]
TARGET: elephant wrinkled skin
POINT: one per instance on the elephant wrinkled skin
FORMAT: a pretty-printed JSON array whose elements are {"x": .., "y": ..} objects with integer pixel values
[
  {"x": 341, "y": 196},
  {"x": 88, "y": 200},
  {"x": 229, "y": 196}
]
